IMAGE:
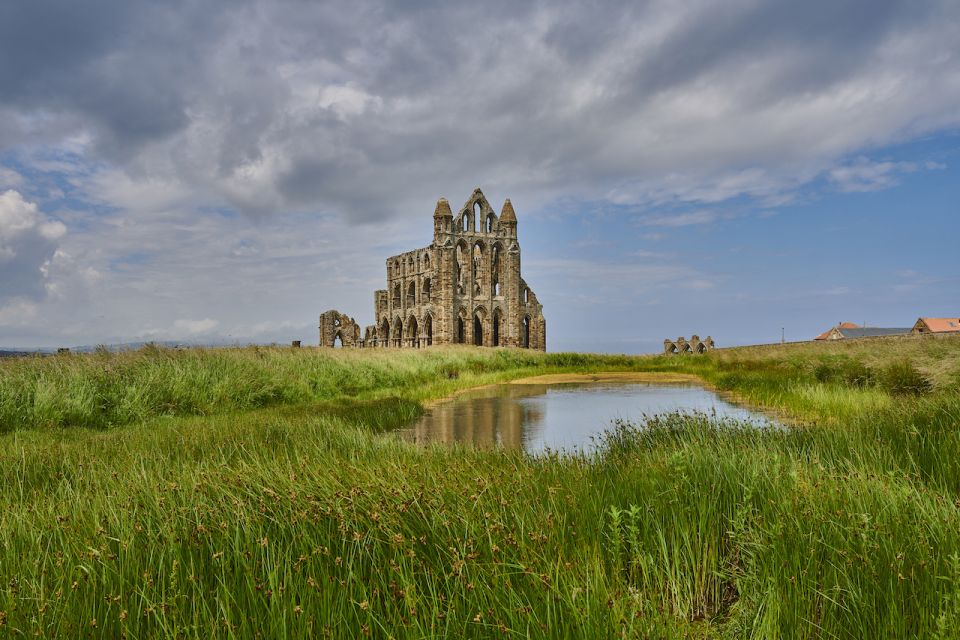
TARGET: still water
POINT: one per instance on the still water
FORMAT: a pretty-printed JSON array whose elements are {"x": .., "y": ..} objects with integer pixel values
[{"x": 567, "y": 416}]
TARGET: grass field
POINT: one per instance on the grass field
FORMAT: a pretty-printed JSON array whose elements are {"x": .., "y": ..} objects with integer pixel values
[{"x": 252, "y": 493}]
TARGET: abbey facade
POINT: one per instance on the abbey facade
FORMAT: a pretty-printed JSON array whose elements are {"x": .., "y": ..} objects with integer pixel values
[{"x": 465, "y": 288}]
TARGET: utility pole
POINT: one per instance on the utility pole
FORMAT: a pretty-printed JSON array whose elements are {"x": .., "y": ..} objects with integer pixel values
[{"x": 782, "y": 336}]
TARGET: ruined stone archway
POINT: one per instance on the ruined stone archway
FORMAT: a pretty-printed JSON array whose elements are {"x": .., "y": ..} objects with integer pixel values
[
  {"x": 495, "y": 328},
  {"x": 384, "y": 334},
  {"x": 397, "y": 332},
  {"x": 413, "y": 335},
  {"x": 428, "y": 329},
  {"x": 525, "y": 332}
]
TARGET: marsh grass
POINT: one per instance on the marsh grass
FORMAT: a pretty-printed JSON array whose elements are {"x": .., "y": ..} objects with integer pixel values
[{"x": 238, "y": 514}]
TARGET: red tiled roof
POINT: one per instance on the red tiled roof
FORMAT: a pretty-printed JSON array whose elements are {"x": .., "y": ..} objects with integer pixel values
[
  {"x": 942, "y": 325},
  {"x": 842, "y": 325}
]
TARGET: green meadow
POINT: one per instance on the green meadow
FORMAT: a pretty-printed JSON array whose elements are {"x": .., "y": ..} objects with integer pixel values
[{"x": 258, "y": 493}]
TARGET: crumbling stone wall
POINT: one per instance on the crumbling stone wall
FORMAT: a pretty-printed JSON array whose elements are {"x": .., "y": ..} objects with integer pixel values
[
  {"x": 464, "y": 288},
  {"x": 681, "y": 346},
  {"x": 338, "y": 329}
]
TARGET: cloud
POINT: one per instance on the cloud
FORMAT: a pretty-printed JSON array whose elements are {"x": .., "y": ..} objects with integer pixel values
[
  {"x": 17, "y": 312},
  {"x": 249, "y": 162},
  {"x": 680, "y": 219},
  {"x": 9, "y": 178},
  {"x": 864, "y": 174},
  {"x": 584, "y": 282},
  {"x": 365, "y": 109},
  {"x": 194, "y": 327},
  {"x": 28, "y": 242}
]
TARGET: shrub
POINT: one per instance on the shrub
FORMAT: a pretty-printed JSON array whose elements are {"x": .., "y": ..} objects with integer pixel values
[
  {"x": 844, "y": 371},
  {"x": 903, "y": 378}
]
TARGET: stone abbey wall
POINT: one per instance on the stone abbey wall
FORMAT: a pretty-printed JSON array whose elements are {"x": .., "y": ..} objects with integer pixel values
[
  {"x": 465, "y": 288},
  {"x": 681, "y": 346}
]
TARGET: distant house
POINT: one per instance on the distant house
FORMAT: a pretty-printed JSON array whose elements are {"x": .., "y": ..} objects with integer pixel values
[
  {"x": 843, "y": 325},
  {"x": 937, "y": 325},
  {"x": 848, "y": 330}
]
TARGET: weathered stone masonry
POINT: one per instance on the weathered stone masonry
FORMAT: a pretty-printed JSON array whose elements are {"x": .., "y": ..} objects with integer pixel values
[{"x": 465, "y": 288}]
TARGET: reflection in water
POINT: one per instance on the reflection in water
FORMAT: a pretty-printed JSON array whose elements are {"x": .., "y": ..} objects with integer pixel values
[{"x": 560, "y": 416}]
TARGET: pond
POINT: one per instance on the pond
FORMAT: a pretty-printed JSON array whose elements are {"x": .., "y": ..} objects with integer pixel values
[{"x": 567, "y": 415}]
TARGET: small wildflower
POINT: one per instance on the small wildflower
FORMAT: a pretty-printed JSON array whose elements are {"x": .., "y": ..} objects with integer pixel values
[{"x": 364, "y": 605}]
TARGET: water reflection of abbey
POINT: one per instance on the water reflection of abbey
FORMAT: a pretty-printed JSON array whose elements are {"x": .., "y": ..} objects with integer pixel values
[{"x": 493, "y": 419}]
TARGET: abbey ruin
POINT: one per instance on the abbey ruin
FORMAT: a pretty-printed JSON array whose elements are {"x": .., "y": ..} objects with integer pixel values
[{"x": 465, "y": 288}]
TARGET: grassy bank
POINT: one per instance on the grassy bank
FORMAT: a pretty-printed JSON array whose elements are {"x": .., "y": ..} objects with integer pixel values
[{"x": 217, "y": 509}]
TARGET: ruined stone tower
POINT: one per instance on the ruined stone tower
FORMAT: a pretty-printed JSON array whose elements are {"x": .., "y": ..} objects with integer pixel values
[{"x": 465, "y": 288}]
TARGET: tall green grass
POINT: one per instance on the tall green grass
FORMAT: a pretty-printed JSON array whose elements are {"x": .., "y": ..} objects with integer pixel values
[
  {"x": 300, "y": 520},
  {"x": 110, "y": 389}
]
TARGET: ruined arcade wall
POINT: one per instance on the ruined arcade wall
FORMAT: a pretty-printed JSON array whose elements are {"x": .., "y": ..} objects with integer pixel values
[{"x": 465, "y": 287}]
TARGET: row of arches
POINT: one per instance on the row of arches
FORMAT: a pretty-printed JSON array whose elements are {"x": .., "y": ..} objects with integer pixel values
[
  {"x": 479, "y": 329},
  {"x": 488, "y": 333},
  {"x": 408, "y": 333},
  {"x": 409, "y": 265},
  {"x": 681, "y": 345},
  {"x": 425, "y": 291},
  {"x": 485, "y": 269},
  {"x": 470, "y": 217}
]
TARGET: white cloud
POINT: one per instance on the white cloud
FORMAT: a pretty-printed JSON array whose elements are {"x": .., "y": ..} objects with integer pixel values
[
  {"x": 28, "y": 241},
  {"x": 194, "y": 327},
  {"x": 9, "y": 178},
  {"x": 680, "y": 219},
  {"x": 864, "y": 174},
  {"x": 17, "y": 312}
]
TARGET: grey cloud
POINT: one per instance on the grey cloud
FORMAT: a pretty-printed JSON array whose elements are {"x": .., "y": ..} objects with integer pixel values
[{"x": 371, "y": 109}]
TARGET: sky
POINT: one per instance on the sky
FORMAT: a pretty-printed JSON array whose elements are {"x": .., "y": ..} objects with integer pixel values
[{"x": 205, "y": 170}]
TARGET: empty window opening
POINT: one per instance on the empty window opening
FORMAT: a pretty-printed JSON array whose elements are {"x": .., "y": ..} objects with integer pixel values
[
  {"x": 495, "y": 341},
  {"x": 495, "y": 270},
  {"x": 396, "y": 295},
  {"x": 525, "y": 333},
  {"x": 428, "y": 329},
  {"x": 412, "y": 294},
  {"x": 337, "y": 341},
  {"x": 526, "y": 295},
  {"x": 413, "y": 336},
  {"x": 397, "y": 333},
  {"x": 490, "y": 223},
  {"x": 477, "y": 259},
  {"x": 425, "y": 291},
  {"x": 477, "y": 331},
  {"x": 384, "y": 336},
  {"x": 477, "y": 214},
  {"x": 460, "y": 258},
  {"x": 461, "y": 337},
  {"x": 466, "y": 222}
]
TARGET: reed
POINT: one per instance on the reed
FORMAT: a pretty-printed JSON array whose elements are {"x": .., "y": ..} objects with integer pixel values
[{"x": 294, "y": 516}]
